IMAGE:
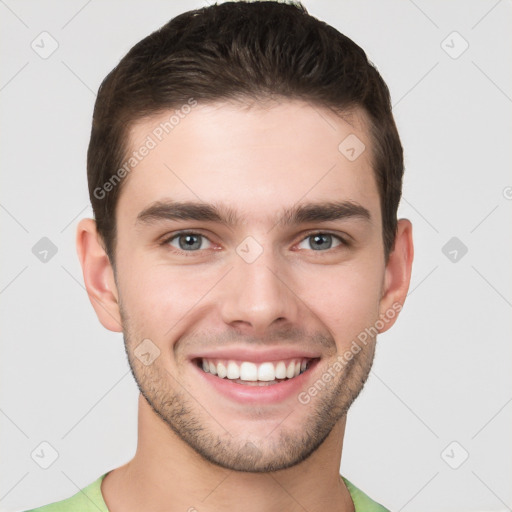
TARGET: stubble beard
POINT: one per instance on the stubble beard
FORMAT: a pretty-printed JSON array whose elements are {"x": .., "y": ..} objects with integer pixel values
[{"x": 287, "y": 446}]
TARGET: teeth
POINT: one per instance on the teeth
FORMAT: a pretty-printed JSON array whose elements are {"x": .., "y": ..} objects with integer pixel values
[
  {"x": 222, "y": 371},
  {"x": 251, "y": 372},
  {"x": 248, "y": 371},
  {"x": 280, "y": 370},
  {"x": 290, "y": 371},
  {"x": 233, "y": 370},
  {"x": 266, "y": 372}
]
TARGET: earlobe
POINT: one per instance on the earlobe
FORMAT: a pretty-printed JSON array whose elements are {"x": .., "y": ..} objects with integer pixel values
[
  {"x": 397, "y": 275},
  {"x": 98, "y": 275}
]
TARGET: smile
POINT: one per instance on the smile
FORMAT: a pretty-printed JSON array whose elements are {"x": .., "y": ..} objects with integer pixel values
[{"x": 249, "y": 373}]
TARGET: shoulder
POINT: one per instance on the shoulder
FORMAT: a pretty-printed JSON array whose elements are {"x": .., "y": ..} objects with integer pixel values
[
  {"x": 88, "y": 499},
  {"x": 362, "y": 502}
]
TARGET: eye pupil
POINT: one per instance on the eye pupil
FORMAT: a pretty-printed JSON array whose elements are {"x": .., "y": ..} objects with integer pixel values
[
  {"x": 321, "y": 242},
  {"x": 189, "y": 242}
]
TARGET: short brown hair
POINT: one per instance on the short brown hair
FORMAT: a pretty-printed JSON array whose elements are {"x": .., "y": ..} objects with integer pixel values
[{"x": 239, "y": 50}]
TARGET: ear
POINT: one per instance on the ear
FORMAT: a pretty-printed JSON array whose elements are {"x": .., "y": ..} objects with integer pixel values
[
  {"x": 397, "y": 275},
  {"x": 98, "y": 275}
]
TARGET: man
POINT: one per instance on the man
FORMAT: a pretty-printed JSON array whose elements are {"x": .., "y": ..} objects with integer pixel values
[{"x": 245, "y": 172}]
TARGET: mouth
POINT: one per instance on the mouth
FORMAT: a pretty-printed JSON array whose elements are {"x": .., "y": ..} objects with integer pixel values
[{"x": 248, "y": 373}]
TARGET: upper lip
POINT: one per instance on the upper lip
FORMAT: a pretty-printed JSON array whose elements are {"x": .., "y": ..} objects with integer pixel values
[{"x": 256, "y": 356}]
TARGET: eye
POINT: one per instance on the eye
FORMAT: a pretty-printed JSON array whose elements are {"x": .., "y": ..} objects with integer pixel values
[
  {"x": 321, "y": 241},
  {"x": 189, "y": 242}
]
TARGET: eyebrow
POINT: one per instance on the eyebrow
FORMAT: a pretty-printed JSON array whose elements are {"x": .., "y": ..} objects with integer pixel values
[{"x": 206, "y": 212}]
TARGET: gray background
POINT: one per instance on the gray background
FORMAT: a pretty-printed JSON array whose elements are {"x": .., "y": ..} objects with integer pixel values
[{"x": 440, "y": 389}]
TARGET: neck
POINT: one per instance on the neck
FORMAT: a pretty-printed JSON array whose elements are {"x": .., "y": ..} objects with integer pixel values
[{"x": 166, "y": 474}]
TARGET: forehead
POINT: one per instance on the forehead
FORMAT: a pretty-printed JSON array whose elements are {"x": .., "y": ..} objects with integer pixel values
[{"x": 255, "y": 159}]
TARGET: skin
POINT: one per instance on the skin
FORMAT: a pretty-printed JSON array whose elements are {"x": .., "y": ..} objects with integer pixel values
[{"x": 193, "y": 446}]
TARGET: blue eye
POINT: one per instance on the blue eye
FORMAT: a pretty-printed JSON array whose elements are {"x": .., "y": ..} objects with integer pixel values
[
  {"x": 321, "y": 241},
  {"x": 189, "y": 241},
  {"x": 195, "y": 242}
]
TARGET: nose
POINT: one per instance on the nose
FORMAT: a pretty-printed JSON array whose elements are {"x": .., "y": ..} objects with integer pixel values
[{"x": 259, "y": 295}]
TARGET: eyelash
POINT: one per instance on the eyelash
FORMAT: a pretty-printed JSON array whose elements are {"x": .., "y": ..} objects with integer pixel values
[{"x": 167, "y": 240}]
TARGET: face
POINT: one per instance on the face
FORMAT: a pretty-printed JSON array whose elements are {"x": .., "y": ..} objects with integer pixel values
[{"x": 251, "y": 247}]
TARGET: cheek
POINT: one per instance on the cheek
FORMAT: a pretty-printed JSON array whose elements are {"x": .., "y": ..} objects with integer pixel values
[
  {"x": 345, "y": 300},
  {"x": 157, "y": 297}
]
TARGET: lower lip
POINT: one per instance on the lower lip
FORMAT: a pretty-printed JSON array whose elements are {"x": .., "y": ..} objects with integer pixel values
[{"x": 269, "y": 394}]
